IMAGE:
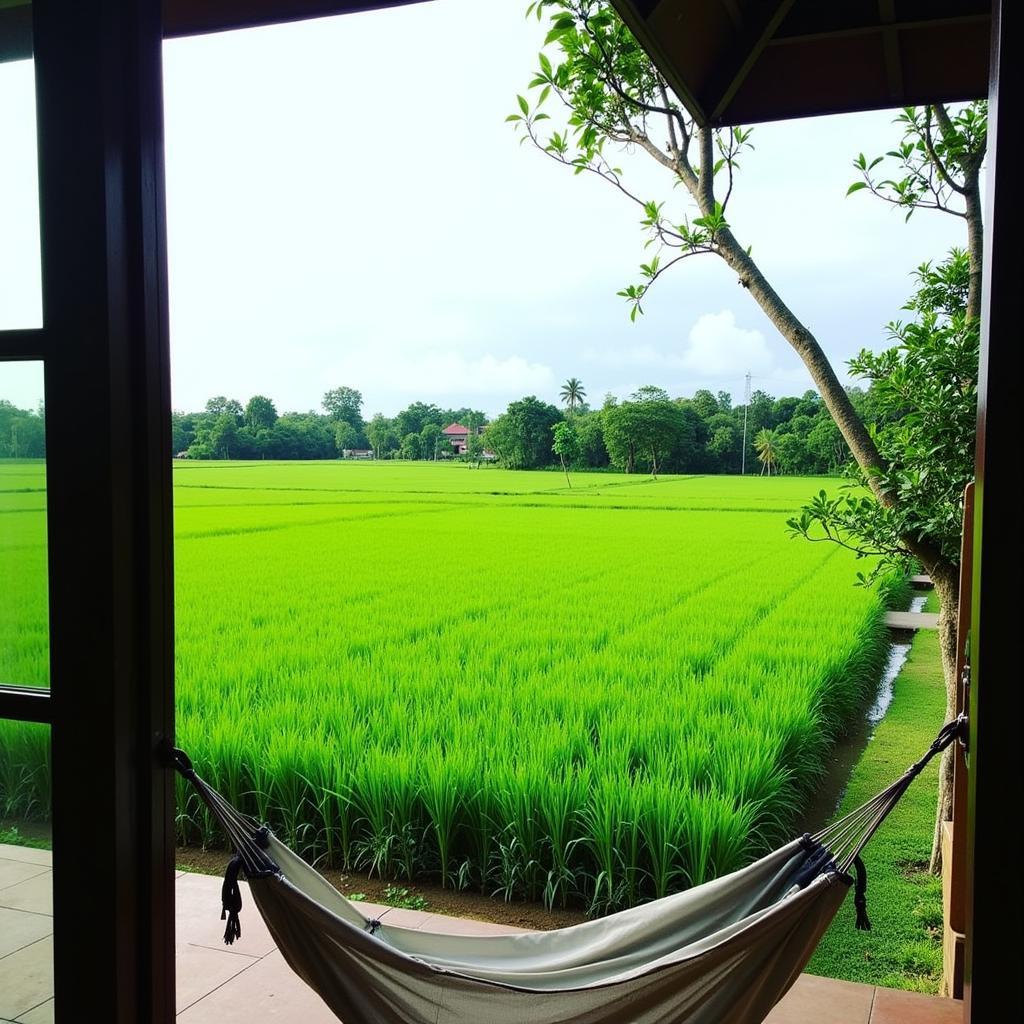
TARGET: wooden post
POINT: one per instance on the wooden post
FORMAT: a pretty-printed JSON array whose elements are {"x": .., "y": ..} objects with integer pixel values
[
  {"x": 995, "y": 897},
  {"x": 954, "y": 831}
]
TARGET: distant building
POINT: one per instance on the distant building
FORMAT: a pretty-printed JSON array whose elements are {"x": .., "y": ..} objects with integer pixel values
[
  {"x": 357, "y": 453},
  {"x": 458, "y": 435}
]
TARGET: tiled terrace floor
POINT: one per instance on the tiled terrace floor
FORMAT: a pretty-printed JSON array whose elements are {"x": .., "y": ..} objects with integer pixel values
[{"x": 249, "y": 983}]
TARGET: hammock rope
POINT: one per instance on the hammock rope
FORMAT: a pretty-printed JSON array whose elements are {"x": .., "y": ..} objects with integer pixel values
[{"x": 721, "y": 953}]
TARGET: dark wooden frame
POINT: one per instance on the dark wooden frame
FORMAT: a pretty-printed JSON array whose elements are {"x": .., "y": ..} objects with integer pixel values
[
  {"x": 992, "y": 986},
  {"x": 104, "y": 347}
]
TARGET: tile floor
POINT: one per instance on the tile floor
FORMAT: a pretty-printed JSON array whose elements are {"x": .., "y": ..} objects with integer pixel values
[{"x": 249, "y": 982}]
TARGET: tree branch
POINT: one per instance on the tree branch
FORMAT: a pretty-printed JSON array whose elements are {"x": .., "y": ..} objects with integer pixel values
[
  {"x": 609, "y": 80},
  {"x": 705, "y": 183},
  {"x": 673, "y": 144},
  {"x": 933, "y": 156},
  {"x": 606, "y": 173}
]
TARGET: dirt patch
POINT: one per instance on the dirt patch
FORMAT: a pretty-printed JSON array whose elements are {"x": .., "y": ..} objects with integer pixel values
[
  {"x": 438, "y": 901},
  {"x": 913, "y": 868}
]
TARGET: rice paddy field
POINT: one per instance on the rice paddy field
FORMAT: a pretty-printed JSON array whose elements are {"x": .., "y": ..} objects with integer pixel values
[{"x": 594, "y": 695}]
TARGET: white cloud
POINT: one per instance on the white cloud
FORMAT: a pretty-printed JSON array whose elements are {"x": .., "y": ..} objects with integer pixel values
[{"x": 716, "y": 347}]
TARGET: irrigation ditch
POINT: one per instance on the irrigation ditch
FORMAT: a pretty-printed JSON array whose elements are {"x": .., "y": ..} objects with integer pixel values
[{"x": 828, "y": 795}]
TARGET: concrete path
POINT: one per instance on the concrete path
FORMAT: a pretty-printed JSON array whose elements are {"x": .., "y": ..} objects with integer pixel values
[
  {"x": 249, "y": 982},
  {"x": 912, "y": 620}
]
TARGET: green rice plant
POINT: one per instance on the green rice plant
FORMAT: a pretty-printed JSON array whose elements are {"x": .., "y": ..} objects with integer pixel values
[
  {"x": 25, "y": 771},
  {"x": 670, "y": 814},
  {"x": 611, "y": 811},
  {"x": 286, "y": 756},
  {"x": 443, "y": 783},
  {"x": 523, "y": 838},
  {"x": 591, "y": 697},
  {"x": 479, "y": 836},
  {"x": 560, "y": 803}
]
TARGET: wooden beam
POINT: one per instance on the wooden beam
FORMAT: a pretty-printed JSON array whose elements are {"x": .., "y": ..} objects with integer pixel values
[
  {"x": 651, "y": 42},
  {"x": 23, "y": 345},
  {"x": 954, "y": 21},
  {"x": 891, "y": 48},
  {"x": 754, "y": 37},
  {"x": 25, "y": 704},
  {"x": 191, "y": 17}
]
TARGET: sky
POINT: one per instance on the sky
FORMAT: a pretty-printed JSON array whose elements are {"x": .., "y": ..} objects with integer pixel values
[{"x": 347, "y": 206}]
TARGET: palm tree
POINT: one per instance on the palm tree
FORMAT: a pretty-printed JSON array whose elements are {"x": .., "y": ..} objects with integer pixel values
[
  {"x": 572, "y": 393},
  {"x": 765, "y": 443}
]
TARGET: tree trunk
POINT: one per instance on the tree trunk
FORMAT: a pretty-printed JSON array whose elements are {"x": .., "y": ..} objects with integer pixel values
[
  {"x": 975, "y": 239},
  {"x": 806, "y": 346},
  {"x": 862, "y": 446},
  {"x": 946, "y": 579},
  {"x": 565, "y": 470}
]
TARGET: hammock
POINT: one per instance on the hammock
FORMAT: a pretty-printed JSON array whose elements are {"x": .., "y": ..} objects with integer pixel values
[{"x": 721, "y": 953}]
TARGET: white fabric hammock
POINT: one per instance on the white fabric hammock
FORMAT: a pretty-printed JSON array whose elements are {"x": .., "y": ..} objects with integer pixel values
[{"x": 721, "y": 953}]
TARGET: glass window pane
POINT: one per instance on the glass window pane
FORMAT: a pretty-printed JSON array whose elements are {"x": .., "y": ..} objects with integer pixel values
[
  {"x": 20, "y": 287},
  {"x": 26, "y": 888},
  {"x": 24, "y": 618}
]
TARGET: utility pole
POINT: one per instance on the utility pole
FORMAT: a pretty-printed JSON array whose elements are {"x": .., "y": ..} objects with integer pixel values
[{"x": 746, "y": 405}]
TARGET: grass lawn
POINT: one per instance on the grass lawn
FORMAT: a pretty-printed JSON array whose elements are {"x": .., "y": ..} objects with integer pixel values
[{"x": 904, "y": 947}]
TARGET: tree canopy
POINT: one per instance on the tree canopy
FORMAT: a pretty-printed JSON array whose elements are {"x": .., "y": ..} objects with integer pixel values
[
  {"x": 522, "y": 437},
  {"x": 701, "y": 434},
  {"x": 924, "y": 390},
  {"x": 22, "y": 432}
]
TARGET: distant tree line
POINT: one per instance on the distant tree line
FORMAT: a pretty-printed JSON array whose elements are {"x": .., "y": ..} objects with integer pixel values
[
  {"x": 651, "y": 432},
  {"x": 648, "y": 432},
  {"x": 226, "y": 429},
  {"x": 22, "y": 432}
]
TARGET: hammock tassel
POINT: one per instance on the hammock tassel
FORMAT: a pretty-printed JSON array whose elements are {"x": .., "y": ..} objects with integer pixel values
[
  {"x": 860, "y": 897},
  {"x": 231, "y": 901}
]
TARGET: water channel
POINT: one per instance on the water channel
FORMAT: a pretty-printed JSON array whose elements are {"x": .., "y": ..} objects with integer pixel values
[{"x": 844, "y": 756}]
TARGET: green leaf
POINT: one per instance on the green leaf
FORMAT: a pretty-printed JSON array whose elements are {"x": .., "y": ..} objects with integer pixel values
[
  {"x": 523, "y": 105},
  {"x": 555, "y": 34},
  {"x": 513, "y": 117},
  {"x": 856, "y": 187}
]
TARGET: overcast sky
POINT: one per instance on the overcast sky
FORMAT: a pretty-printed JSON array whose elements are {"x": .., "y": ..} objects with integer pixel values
[{"x": 347, "y": 206}]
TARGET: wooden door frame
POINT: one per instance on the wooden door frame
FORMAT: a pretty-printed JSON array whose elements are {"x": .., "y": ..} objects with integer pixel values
[
  {"x": 104, "y": 348},
  {"x": 992, "y": 989}
]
